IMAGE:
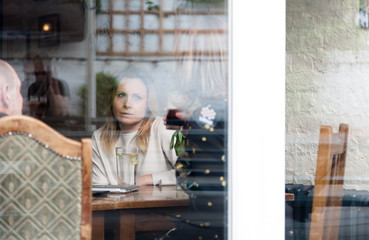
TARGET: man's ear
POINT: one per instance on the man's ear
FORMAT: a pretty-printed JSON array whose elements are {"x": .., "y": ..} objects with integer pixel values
[{"x": 4, "y": 96}]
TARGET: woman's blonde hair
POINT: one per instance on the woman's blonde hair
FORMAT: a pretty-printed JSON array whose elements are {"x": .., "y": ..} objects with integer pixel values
[{"x": 111, "y": 129}]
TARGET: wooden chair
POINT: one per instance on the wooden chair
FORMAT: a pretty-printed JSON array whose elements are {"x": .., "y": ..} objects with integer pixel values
[
  {"x": 45, "y": 182},
  {"x": 330, "y": 169}
]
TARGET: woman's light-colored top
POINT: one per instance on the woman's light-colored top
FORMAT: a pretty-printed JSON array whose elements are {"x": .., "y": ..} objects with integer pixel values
[{"x": 158, "y": 161}]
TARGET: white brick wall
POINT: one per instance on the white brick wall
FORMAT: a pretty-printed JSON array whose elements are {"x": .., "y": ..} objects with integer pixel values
[{"x": 327, "y": 83}]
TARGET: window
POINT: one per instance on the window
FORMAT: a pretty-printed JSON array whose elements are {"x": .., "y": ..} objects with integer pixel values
[
  {"x": 326, "y": 85},
  {"x": 73, "y": 57},
  {"x": 150, "y": 28}
]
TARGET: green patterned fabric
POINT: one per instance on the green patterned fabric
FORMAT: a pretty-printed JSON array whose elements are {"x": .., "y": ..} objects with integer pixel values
[{"x": 40, "y": 191}]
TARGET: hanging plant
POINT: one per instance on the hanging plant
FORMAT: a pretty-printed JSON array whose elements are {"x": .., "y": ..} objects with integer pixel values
[
  {"x": 152, "y": 6},
  {"x": 104, "y": 89},
  {"x": 98, "y": 6}
]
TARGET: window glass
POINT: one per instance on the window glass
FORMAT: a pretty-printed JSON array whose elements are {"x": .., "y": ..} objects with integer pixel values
[
  {"x": 326, "y": 72},
  {"x": 73, "y": 59}
]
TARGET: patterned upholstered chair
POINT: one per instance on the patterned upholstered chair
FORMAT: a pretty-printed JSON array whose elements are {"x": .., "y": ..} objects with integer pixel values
[{"x": 45, "y": 182}]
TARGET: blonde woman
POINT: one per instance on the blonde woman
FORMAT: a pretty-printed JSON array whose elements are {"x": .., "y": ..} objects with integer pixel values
[{"x": 132, "y": 122}]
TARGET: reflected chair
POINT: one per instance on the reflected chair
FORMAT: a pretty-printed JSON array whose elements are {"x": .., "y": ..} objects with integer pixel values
[
  {"x": 45, "y": 182},
  {"x": 328, "y": 189}
]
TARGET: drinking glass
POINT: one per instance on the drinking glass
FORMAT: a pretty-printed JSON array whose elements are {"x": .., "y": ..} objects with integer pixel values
[{"x": 126, "y": 160}]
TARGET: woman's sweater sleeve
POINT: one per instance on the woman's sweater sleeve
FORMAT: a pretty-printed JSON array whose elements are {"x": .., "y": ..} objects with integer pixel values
[
  {"x": 164, "y": 178},
  {"x": 167, "y": 177},
  {"x": 98, "y": 173}
]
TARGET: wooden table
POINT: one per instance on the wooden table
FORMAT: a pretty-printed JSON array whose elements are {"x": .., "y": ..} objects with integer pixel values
[{"x": 120, "y": 216}]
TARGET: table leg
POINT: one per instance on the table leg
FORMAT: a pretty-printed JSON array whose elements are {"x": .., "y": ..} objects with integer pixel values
[
  {"x": 98, "y": 225},
  {"x": 127, "y": 225}
]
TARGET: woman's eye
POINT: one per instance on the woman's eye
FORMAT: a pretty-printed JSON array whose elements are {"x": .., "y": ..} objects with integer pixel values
[
  {"x": 137, "y": 98},
  {"x": 121, "y": 95}
]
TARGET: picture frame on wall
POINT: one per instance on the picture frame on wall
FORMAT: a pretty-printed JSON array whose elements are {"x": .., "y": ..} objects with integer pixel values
[{"x": 49, "y": 30}]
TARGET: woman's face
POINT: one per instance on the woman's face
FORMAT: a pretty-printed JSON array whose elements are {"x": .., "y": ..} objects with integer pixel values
[{"x": 130, "y": 104}]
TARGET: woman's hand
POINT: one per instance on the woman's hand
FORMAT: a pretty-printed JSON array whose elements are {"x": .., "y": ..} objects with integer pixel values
[
  {"x": 175, "y": 115},
  {"x": 144, "y": 180}
]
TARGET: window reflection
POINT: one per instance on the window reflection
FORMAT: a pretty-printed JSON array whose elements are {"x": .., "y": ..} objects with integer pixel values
[
  {"x": 181, "y": 45},
  {"x": 325, "y": 86}
]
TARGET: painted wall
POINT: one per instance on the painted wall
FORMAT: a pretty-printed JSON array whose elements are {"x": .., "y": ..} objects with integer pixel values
[{"x": 327, "y": 83}]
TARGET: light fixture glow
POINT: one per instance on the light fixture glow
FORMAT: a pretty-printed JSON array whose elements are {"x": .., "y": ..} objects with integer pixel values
[{"x": 46, "y": 27}]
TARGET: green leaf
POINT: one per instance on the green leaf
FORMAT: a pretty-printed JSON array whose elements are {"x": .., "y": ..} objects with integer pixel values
[
  {"x": 179, "y": 142},
  {"x": 178, "y": 151},
  {"x": 172, "y": 141},
  {"x": 178, "y": 147},
  {"x": 180, "y": 136}
]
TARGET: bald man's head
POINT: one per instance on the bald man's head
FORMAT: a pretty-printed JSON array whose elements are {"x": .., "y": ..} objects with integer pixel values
[
  {"x": 11, "y": 101},
  {"x": 7, "y": 73}
]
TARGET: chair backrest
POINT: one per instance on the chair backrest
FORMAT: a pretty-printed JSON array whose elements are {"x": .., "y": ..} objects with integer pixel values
[
  {"x": 330, "y": 170},
  {"x": 45, "y": 182}
]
